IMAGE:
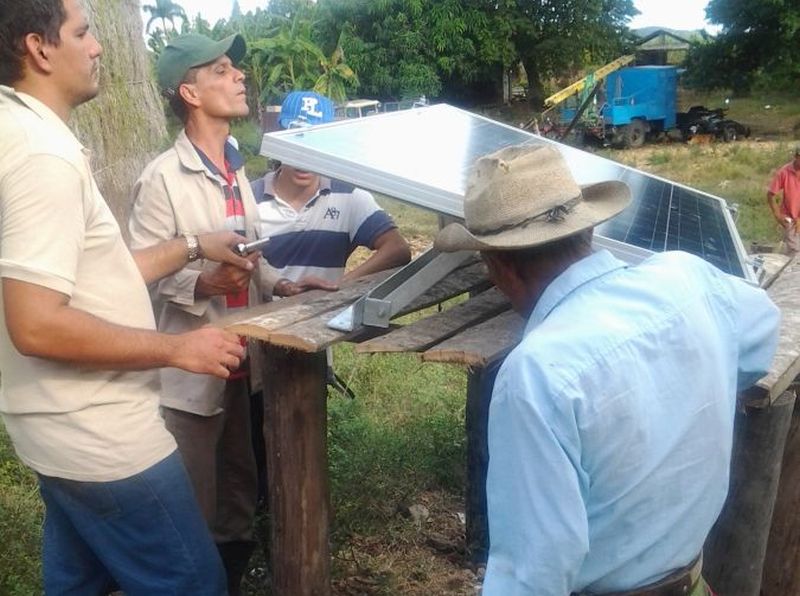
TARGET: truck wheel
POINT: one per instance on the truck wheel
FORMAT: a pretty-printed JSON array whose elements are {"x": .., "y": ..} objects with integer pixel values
[
  {"x": 635, "y": 133},
  {"x": 729, "y": 133}
]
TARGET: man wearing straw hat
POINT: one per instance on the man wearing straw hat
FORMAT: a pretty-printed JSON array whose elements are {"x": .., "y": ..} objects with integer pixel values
[{"x": 611, "y": 423}]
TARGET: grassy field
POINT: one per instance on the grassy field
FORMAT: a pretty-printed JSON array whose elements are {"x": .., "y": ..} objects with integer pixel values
[{"x": 397, "y": 451}]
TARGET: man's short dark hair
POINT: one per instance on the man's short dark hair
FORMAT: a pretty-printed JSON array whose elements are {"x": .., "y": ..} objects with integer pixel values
[
  {"x": 574, "y": 246},
  {"x": 18, "y": 18},
  {"x": 176, "y": 103}
]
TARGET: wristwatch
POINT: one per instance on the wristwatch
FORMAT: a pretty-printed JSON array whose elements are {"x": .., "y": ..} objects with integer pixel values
[{"x": 193, "y": 249}]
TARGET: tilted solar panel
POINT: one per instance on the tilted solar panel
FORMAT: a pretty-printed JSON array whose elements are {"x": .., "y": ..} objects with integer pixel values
[{"x": 422, "y": 156}]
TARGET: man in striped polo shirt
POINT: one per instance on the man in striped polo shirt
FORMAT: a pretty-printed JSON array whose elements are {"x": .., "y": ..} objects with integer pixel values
[
  {"x": 315, "y": 223},
  {"x": 199, "y": 185}
]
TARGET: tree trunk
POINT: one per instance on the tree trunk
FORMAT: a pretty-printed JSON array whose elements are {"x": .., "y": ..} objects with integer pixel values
[
  {"x": 124, "y": 126},
  {"x": 535, "y": 87}
]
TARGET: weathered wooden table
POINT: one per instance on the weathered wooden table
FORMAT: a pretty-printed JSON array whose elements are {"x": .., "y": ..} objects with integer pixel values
[{"x": 476, "y": 333}]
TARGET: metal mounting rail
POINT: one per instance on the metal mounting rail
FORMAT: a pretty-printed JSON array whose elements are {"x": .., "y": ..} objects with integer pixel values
[{"x": 378, "y": 306}]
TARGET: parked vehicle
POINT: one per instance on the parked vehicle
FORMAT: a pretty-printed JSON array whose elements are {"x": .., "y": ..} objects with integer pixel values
[
  {"x": 625, "y": 106},
  {"x": 358, "y": 108},
  {"x": 700, "y": 120}
]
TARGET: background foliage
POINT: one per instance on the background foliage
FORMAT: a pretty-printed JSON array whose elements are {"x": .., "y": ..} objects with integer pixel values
[
  {"x": 758, "y": 46},
  {"x": 454, "y": 50}
]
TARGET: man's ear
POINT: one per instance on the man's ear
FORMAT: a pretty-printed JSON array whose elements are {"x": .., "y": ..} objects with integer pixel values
[
  {"x": 188, "y": 94},
  {"x": 502, "y": 272},
  {"x": 37, "y": 52}
]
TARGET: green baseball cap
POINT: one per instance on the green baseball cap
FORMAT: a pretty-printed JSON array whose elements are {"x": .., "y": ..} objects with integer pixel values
[{"x": 193, "y": 49}]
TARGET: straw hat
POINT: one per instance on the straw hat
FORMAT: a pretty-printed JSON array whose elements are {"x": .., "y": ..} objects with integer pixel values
[{"x": 525, "y": 195}]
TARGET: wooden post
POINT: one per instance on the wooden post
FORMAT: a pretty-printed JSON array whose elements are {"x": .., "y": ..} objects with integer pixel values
[
  {"x": 295, "y": 429},
  {"x": 735, "y": 550},
  {"x": 479, "y": 393},
  {"x": 782, "y": 566}
]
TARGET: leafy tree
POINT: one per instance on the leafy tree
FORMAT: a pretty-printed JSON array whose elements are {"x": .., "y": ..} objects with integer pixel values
[
  {"x": 554, "y": 36},
  {"x": 404, "y": 48},
  {"x": 759, "y": 38},
  {"x": 336, "y": 76},
  {"x": 285, "y": 61},
  {"x": 164, "y": 10}
]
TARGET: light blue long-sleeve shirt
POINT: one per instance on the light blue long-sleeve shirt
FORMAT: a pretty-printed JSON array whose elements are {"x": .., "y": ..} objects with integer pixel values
[{"x": 611, "y": 424}]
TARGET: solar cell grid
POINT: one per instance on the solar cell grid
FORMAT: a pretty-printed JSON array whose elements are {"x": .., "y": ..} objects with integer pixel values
[{"x": 423, "y": 157}]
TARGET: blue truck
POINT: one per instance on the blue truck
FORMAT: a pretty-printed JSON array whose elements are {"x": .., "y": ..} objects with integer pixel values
[
  {"x": 638, "y": 101},
  {"x": 627, "y": 105}
]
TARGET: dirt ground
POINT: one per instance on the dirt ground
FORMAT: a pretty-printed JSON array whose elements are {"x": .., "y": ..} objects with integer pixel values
[{"x": 422, "y": 552}]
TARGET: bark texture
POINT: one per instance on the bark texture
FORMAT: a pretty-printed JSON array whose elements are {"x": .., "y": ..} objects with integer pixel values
[{"x": 124, "y": 126}]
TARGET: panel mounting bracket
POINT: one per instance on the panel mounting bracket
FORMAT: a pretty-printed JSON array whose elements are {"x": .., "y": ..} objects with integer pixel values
[{"x": 377, "y": 307}]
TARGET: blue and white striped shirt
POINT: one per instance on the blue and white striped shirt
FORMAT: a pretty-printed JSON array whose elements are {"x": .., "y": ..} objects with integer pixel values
[{"x": 318, "y": 239}]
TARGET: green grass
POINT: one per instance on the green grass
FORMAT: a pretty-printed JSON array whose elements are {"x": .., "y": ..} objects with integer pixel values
[
  {"x": 769, "y": 115},
  {"x": 738, "y": 172},
  {"x": 21, "y": 514},
  {"x": 404, "y": 433}
]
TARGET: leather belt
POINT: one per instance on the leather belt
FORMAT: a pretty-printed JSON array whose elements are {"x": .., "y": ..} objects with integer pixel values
[{"x": 680, "y": 582}]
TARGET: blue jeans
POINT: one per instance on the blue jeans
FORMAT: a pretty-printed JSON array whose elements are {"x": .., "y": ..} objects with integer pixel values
[{"x": 144, "y": 533}]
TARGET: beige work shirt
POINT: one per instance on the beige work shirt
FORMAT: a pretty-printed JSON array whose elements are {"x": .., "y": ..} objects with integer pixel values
[
  {"x": 175, "y": 195},
  {"x": 56, "y": 231}
]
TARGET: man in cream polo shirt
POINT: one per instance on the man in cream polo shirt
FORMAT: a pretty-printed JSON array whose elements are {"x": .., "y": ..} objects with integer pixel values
[{"x": 78, "y": 336}]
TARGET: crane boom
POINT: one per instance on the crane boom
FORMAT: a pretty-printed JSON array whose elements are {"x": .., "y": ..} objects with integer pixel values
[{"x": 588, "y": 81}]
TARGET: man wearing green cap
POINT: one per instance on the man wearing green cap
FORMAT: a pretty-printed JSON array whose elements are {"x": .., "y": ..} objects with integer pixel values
[{"x": 199, "y": 185}]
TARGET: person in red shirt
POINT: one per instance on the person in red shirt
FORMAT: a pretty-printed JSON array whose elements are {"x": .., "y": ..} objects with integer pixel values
[{"x": 787, "y": 210}]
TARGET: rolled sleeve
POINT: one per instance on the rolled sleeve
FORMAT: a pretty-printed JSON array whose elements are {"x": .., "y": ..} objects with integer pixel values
[
  {"x": 152, "y": 221},
  {"x": 42, "y": 222}
]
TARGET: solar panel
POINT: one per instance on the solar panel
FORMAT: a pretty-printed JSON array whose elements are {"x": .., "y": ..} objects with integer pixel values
[{"x": 422, "y": 156}]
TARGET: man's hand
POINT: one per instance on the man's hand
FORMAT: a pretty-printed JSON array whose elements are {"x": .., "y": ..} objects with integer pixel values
[
  {"x": 166, "y": 257},
  {"x": 209, "y": 351},
  {"x": 285, "y": 287},
  {"x": 225, "y": 278},
  {"x": 219, "y": 247}
]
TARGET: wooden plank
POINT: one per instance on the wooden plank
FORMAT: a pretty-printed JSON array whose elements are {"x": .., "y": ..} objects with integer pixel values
[
  {"x": 312, "y": 335},
  {"x": 736, "y": 548},
  {"x": 781, "y": 574},
  {"x": 481, "y": 344},
  {"x": 429, "y": 331},
  {"x": 295, "y": 432},
  {"x": 785, "y": 293},
  {"x": 774, "y": 264},
  {"x": 260, "y": 321}
]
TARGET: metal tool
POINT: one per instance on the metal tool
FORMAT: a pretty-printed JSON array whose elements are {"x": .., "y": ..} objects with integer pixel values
[{"x": 244, "y": 249}]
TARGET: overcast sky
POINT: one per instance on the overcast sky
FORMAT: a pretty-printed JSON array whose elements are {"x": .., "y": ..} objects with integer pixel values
[{"x": 674, "y": 14}]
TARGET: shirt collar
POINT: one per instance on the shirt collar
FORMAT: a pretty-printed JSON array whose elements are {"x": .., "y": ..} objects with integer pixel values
[
  {"x": 41, "y": 110},
  {"x": 269, "y": 188},
  {"x": 194, "y": 159},
  {"x": 576, "y": 275}
]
